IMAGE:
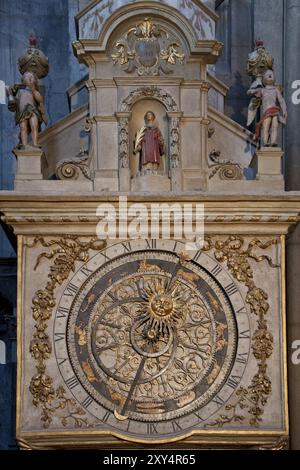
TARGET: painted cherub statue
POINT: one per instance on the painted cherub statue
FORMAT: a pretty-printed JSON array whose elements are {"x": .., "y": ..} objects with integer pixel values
[
  {"x": 28, "y": 104},
  {"x": 273, "y": 109}
]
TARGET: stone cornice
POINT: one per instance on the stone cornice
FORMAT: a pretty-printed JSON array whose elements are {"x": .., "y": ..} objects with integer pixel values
[{"x": 224, "y": 214}]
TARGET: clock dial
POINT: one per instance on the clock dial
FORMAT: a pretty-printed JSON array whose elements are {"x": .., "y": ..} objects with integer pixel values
[{"x": 151, "y": 338}]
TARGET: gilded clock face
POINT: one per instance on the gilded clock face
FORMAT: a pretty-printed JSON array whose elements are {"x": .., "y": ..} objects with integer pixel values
[{"x": 150, "y": 342}]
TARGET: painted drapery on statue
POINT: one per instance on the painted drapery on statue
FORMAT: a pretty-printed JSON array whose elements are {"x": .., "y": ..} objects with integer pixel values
[{"x": 152, "y": 146}]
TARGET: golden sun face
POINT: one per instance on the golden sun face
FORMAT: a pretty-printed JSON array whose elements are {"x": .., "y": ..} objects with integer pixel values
[{"x": 163, "y": 307}]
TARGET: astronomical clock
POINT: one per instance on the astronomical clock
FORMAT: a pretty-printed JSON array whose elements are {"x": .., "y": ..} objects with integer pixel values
[
  {"x": 139, "y": 341},
  {"x": 152, "y": 347}
]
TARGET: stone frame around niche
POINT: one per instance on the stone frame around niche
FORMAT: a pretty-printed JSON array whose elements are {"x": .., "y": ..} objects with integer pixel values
[{"x": 174, "y": 138}]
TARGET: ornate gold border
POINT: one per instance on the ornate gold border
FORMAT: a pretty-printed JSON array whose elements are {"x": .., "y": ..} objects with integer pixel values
[{"x": 254, "y": 397}]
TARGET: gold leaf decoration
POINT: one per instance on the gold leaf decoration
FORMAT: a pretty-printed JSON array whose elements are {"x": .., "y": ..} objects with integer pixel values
[
  {"x": 65, "y": 253},
  {"x": 253, "y": 399}
]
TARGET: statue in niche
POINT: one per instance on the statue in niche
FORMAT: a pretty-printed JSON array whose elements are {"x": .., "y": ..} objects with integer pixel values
[
  {"x": 149, "y": 143},
  {"x": 25, "y": 99},
  {"x": 273, "y": 109}
]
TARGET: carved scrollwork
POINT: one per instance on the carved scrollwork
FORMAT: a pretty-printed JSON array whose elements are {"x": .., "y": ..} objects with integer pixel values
[
  {"x": 123, "y": 132},
  {"x": 73, "y": 169},
  {"x": 65, "y": 253},
  {"x": 253, "y": 398},
  {"x": 225, "y": 169},
  {"x": 149, "y": 92},
  {"x": 174, "y": 142}
]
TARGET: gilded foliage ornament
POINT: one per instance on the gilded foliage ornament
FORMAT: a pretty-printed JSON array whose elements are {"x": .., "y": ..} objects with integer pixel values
[
  {"x": 148, "y": 48},
  {"x": 252, "y": 399},
  {"x": 65, "y": 253}
]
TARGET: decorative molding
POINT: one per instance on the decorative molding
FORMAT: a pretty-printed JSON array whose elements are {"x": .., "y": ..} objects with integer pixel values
[
  {"x": 204, "y": 86},
  {"x": 208, "y": 218},
  {"x": 281, "y": 444},
  {"x": 175, "y": 144},
  {"x": 149, "y": 81},
  {"x": 66, "y": 251},
  {"x": 149, "y": 92},
  {"x": 217, "y": 48},
  {"x": 123, "y": 133},
  {"x": 217, "y": 85},
  {"x": 253, "y": 398},
  {"x": 267, "y": 214}
]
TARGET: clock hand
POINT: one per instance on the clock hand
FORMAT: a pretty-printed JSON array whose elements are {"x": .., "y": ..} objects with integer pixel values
[
  {"x": 182, "y": 257},
  {"x": 121, "y": 416}
]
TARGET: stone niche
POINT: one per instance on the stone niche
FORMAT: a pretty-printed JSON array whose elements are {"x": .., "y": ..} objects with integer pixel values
[{"x": 148, "y": 56}]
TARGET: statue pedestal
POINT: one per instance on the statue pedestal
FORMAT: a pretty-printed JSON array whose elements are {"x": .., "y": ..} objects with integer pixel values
[
  {"x": 29, "y": 165},
  {"x": 159, "y": 183},
  {"x": 269, "y": 163}
]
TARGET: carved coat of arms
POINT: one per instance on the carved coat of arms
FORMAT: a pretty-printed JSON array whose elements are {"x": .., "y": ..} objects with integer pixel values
[{"x": 147, "y": 48}]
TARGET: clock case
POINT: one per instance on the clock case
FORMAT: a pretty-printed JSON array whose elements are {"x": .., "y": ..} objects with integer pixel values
[{"x": 43, "y": 411}]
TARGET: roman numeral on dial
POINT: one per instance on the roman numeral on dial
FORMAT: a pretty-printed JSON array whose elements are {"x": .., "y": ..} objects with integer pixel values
[
  {"x": 151, "y": 244},
  {"x": 244, "y": 334},
  {"x": 176, "y": 426},
  {"x": 87, "y": 402},
  {"x": 106, "y": 417},
  {"x": 197, "y": 256},
  {"x": 216, "y": 270},
  {"x": 231, "y": 289},
  {"x": 218, "y": 400},
  {"x": 242, "y": 358},
  {"x": 86, "y": 271},
  {"x": 233, "y": 381},
  {"x": 62, "y": 312},
  {"x": 72, "y": 382},
  {"x": 59, "y": 336},
  {"x": 152, "y": 428},
  {"x": 71, "y": 290},
  {"x": 127, "y": 246}
]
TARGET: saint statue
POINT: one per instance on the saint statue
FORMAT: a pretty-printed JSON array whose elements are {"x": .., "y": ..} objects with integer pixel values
[
  {"x": 273, "y": 109},
  {"x": 149, "y": 143}
]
